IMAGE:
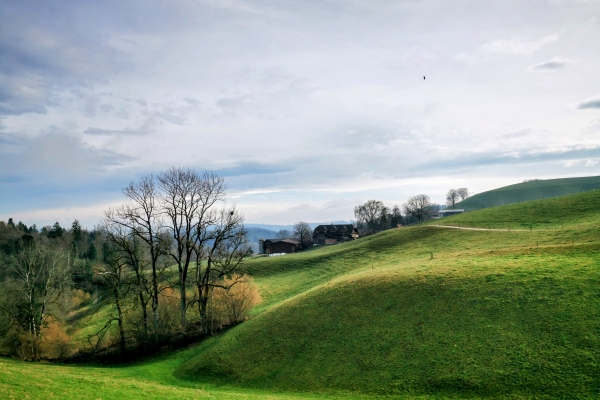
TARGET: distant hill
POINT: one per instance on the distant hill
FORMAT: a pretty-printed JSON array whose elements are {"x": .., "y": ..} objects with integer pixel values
[
  {"x": 255, "y": 234},
  {"x": 531, "y": 190}
]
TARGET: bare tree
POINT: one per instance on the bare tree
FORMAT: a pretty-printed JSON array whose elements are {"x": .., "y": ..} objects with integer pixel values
[
  {"x": 370, "y": 213},
  {"x": 303, "y": 232},
  {"x": 396, "y": 216},
  {"x": 141, "y": 218},
  {"x": 187, "y": 201},
  {"x": 38, "y": 280},
  {"x": 452, "y": 197},
  {"x": 463, "y": 193},
  {"x": 225, "y": 247},
  {"x": 418, "y": 206},
  {"x": 283, "y": 234},
  {"x": 113, "y": 274}
]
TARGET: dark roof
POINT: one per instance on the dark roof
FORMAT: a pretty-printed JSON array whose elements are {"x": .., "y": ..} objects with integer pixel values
[
  {"x": 291, "y": 241},
  {"x": 345, "y": 228}
]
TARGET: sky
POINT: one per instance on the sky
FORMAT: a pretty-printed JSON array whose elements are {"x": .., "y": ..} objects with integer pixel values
[{"x": 306, "y": 108}]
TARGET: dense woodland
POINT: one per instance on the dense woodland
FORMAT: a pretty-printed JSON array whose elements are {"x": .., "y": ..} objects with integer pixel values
[{"x": 164, "y": 267}]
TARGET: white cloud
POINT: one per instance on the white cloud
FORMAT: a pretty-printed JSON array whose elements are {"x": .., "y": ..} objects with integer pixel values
[
  {"x": 591, "y": 163},
  {"x": 518, "y": 45},
  {"x": 296, "y": 103}
]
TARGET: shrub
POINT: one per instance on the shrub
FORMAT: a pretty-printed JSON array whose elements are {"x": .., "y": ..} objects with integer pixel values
[
  {"x": 55, "y": 343},
  {"x": 231, "y": 306}
]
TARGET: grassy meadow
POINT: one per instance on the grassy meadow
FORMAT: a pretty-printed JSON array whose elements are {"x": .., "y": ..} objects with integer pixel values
[
  {"x": 530, "y": 190},
  {"x": 420, "y": 312}
]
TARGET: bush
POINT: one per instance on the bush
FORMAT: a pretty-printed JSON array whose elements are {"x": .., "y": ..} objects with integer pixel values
[
  {"x": 55, "y": 343},
  {"x": 231, "y": 306}
]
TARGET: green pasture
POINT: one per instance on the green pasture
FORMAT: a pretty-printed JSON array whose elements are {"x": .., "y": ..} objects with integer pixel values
[
  {"x": 422, "y": 312},
  {"x": 531, "y": 190},
  {"x": 571, "y": 211}
]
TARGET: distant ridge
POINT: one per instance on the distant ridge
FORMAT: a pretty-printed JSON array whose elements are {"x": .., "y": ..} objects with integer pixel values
[{"x": 530, "y": 190}]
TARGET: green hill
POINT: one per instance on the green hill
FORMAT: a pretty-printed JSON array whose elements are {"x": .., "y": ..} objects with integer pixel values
[
  {"x": 492, "y": 314},
  {"x": 421, "y": 312},
  {"x": 530, "y": 190}
]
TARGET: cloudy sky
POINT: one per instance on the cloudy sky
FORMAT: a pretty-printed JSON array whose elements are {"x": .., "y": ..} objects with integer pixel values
[{"x": 307, "y": 108}]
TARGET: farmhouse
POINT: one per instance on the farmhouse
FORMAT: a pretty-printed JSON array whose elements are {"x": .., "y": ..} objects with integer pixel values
[
  {"x": 273, "y": 246},
  {"x": 332, "y": 234}
]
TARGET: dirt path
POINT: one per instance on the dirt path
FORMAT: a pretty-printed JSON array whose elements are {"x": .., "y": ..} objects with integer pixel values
[{"x": 482, "y": 229}]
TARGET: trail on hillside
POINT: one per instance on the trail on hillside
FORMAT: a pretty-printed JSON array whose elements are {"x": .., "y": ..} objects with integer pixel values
[{"x": 484, "y": 229}]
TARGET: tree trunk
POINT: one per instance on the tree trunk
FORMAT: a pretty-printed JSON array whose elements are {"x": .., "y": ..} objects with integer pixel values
[
  {"x": 144, "y": 316},
  {"x": 202, "y": 309},
  {"x": 120, "y": 321},
  {"x": 182, "y": 303}
]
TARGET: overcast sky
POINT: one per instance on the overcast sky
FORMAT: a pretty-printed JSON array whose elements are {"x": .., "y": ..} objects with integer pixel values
[{"x": 307, "y": 108}]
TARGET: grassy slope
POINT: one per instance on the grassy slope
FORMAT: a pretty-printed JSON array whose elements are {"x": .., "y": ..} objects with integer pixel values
[
  {"x": 579, "y": 210},
  {"x": 490, "y": 315},
  {"x": 153, "y": 380},
  {"x": 532, "y": 190}
]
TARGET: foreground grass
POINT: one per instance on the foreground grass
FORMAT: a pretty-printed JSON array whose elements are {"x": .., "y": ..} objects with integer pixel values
[{"x": 153, "y": 380}]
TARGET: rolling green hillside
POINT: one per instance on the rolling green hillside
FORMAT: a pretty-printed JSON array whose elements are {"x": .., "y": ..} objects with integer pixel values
[
  {"x": 421, "y": 312},
  {"x": 531, "y": 190},
  {"x": 571, "y": 210},
  {"x": 492, "y": 314}
]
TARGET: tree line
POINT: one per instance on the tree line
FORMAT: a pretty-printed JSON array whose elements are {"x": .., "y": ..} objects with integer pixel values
[
  {"x": 165, "y": 264},
  {"x": 302, "y": 232},
  {"x": 373, "y": 216}
]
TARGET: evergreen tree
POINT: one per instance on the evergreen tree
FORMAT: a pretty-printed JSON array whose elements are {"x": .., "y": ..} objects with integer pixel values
[
  {"x": 56, "y": 231},
  {"x": 75, "y": 238},
  {"x": 91, "y": 252}
]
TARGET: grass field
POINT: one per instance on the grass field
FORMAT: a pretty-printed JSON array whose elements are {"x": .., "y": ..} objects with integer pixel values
[
  {"x": 528, "y": 191},
  {"x": 423, "y": 312}
]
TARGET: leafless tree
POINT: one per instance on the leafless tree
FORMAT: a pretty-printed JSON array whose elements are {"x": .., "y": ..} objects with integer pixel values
[
  {"x": 224, "y": 248},
  {"x": 187, "y": 201},
  {"x": 303, "y": 233},
  {"x": 452, "y": 197},
  {"x": 370, "y": 213},
  {"x": 113, "y": 273},
  {"x": 39, "y": 274},
  {"x": 396, "y": 216},
  {"x": 283, "y": 234},
  {"x": 141, "y": 218},
  {"x": 418, "y": 206},
  {"x": 463, "y": 193}
]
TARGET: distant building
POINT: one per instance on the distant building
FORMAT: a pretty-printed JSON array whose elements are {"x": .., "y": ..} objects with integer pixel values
[
  {"x": 332, "y": 234},
  {"x": 273, "y": 246},
  {"x": 447, "y": 213}
]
